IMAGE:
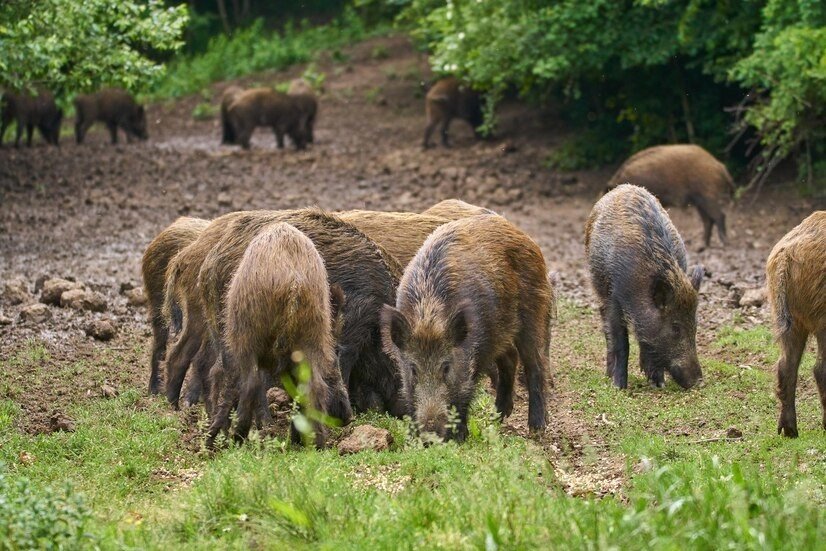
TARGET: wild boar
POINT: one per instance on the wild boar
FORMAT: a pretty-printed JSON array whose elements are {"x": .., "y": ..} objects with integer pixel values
[
  {"x": 114, "y": 107},
  {"x": 447, "y": 99},
  {"x": 279, "y": 303},
  {"x": 307, "y": 104},
  {"x": 455, "y": 209},
  {"x": 680, "y": 175},
  {"x": 796, "y": 277},
  {"x": 266, "y": 107},
  {"x": 227, "y": 131},
  {"x": 474, "y": 299},
  {"x": 638, "y": 268},
  {"x": 29, "y": 112},
  {"x": 156, "y": 259}
]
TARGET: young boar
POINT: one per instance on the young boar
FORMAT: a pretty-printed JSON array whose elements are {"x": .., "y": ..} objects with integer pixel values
[
  {"x": 227, "y": 131},
  {"x": 455, "y": 209},
  {"x": 114, "y": 107},
  {"x": 474, "y": 299},
  {"x": 265, "y": 107},
  {"x": 448, "y": 99},
  {"x": 637, "y": 262},
  {"x": 278, "y": 303},
  {"x": 367, "y": 275},
  {"x": 156, "y": 259},
  {"x": 680, "y": 175},
  {"x": 29, "y": 112},
  {"x": 796, "y": 277}
]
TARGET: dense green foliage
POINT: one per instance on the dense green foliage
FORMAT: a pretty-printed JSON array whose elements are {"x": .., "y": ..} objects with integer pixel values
[
  {"x": 68, "y": 46},
  {"x": 646, "y": 71}
]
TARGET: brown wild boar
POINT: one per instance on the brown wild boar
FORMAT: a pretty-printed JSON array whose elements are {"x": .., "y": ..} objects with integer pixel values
[
  {"x": 455, "y": 209},
  {"x": 367, "y": 275},
  {"x": 266, "y": 107},
  {"x": 680, "y": 175},
  {"x": 227, "y": 131},
  {"x": 637, "y": 262},
  {"x": 114, "y": 107},
  {"x": 446, "y": 100},
  {"x": 156, "y": 259},
  {"x": 29, "y": 112},
  {"x": 796, "y": 277},
  {"x": 278, "y": 303},
  {"x": 476, "y": 290}
]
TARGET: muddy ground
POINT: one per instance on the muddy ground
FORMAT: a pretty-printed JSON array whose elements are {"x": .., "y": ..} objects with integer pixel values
[{"x": 87, "y": 212}]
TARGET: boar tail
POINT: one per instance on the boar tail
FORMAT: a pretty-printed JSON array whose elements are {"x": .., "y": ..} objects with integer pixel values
[{"x": 778, "y": 288}]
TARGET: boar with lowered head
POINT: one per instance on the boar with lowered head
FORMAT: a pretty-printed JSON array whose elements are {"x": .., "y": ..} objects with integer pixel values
[
  {"x": 29, "y": 111},
  {"x": 266, "y": 107},
  {"x": 227, "y": 131},
  {"x": 474, "y": 299},
  {"x": 638, "y": 268},
  {"x": 796, "y": 277},
  {"x": 450, "y": 99},
  {"x": 680, "y": 175},
  {"x": 279, "y": 304},
  {"x": 455, "y": 209},
  {"x": 114, "y": 107}
]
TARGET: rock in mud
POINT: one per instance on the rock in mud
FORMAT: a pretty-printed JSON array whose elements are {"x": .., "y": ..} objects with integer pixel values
[
  {"x": 60, "y": 422},
  {"x": 54, "y": 288},
  {"x": 15, "y": 291},
  {"x": 35, "y": 313},
  {"x": 278, "y": 399},
  {"x": 753, "y": 297},
  {"x": 135, "y": 297},
  {"x": 80, "y": 299},
  {"x": 5, "y": 320},
  {"x": 101, "y": 330},
  {"x": 366, "y": 437}
]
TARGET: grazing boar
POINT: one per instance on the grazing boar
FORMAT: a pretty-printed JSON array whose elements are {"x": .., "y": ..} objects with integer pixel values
[
  {"x": 29, "y": 112},
  {"x": 455, "y": 209},
  {"x": 266, "y": 107},
  {"x": 156, "y": 259},
  {"x": 278, "y": 303},
  {"x": 680, "y": 175},
  {"x": 367, "y": 275},
  {"x": 114, "y": 107},
  {"x": 448, "y": 99},
  {"x": 227, "y": 131},
  {"x": 637, "y": 262},
  {"x": 475, "y": 298},
  {"x": 796, "y": 277}
]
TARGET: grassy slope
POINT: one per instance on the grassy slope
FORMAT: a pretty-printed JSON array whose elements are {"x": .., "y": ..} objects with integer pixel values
[{"x": 127, "y": 460}]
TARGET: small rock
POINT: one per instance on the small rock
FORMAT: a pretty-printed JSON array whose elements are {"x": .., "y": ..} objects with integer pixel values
[
  {"x": 108, "y": 391},
  {"x": 127, "y": 286},
  {"x": 508, "y": 147},
  {"x": 365, "y": 437},
  {"x": 278, "y": 399},
  {"x": 54, "y": 288},
  {"x": 102, "y": 330},
  {"x": 38, "y": 283},
  {"x": 753, "y": 297},
  {"x": 734, "y": 432},
  {"x": 224, "y": 199},
  {"x": 36, "y": 313},
  {"x": 15, "y": 291},
  {"x": 60, "y": 422},
  {"x": 135, "y": 297},
  {"x": 5, "y": 320},
  {"x": 80, "y": 299}
]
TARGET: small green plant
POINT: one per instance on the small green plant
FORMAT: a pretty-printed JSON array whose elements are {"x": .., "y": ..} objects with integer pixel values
[
  {"x": 339, "y": 57},
  {"x": 379, "y": 52},
  {"x": 204, "y": 111},
  {"x": 314, "y": 78},
  {"x": 373, "y": 95}
]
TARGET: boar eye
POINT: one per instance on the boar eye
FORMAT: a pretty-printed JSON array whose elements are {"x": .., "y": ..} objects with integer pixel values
[{"x": 445, "y": 368}]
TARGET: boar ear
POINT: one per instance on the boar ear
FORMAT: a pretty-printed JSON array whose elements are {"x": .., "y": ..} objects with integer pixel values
[
  {"x": 395, "y": 331},
  {"x": 459, "y": 323},
  {"x": 695, "y": 274},
  {"x": 336, "y": 300},
  {"x": 661, "y": 292}
]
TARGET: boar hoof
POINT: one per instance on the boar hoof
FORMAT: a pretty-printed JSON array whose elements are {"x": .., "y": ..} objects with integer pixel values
[{"x": 787, "y": 428}]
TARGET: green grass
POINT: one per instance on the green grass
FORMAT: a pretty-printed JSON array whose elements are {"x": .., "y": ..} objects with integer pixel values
[{"x": 132, "y": 476}]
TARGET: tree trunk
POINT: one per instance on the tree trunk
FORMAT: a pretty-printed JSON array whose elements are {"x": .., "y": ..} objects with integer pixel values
[{"x": 222, "y": 11}]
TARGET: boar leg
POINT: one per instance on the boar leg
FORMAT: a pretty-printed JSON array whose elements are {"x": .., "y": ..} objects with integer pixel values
[
  {"x": 29, "y": 134},
  {"x": 4, "y": 124},
  {"x": 443, "y": 131},
  {"x": 249, "y": 399},
  {"x": 820, "y": 372},
  {"x": 81, "y": 127},
  {"x": 431, "y": 126},
  {"x": 113, "y": 131},
  {"x": 226, "y": 397},
  {"x": 18, "y": 134},
  {"x": 792, "y": 344},
  {"x": 533, "y": 345},
  {"x": 279, "y": 137},
  {"x": 177, "y": 364},
  {"x": 616, "y": 339},
  {"x": 160, "y": 336},
  {"x": 506, "y": 365},
  {"x": 199, "y": 382}
]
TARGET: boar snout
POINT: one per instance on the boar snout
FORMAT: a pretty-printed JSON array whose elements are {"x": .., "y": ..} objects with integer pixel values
[{"x": 687, "y": 376}]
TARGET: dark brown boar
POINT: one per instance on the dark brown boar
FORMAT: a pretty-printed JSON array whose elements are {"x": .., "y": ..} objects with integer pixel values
[
  {"x": 796, "y": 277},
  {"x": 278, "y": 304},
  {"x": 474, "y": 299},
  {"x": 638, "y": 268},
  {"x": 456, "y": 209},
  {"x": 680, "y": 175},
  {"x": 450, "y": 99},
  {"x": 156, "y": 259},
  {"x": 307, "y": 102},
  {"x": 114, "y": 107},
  {"x": 367, "y": 276},
  {"x": 29, "y": 112},
  {"x": 227, "y": 131},
  {"x": 266, "y": 107}
]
